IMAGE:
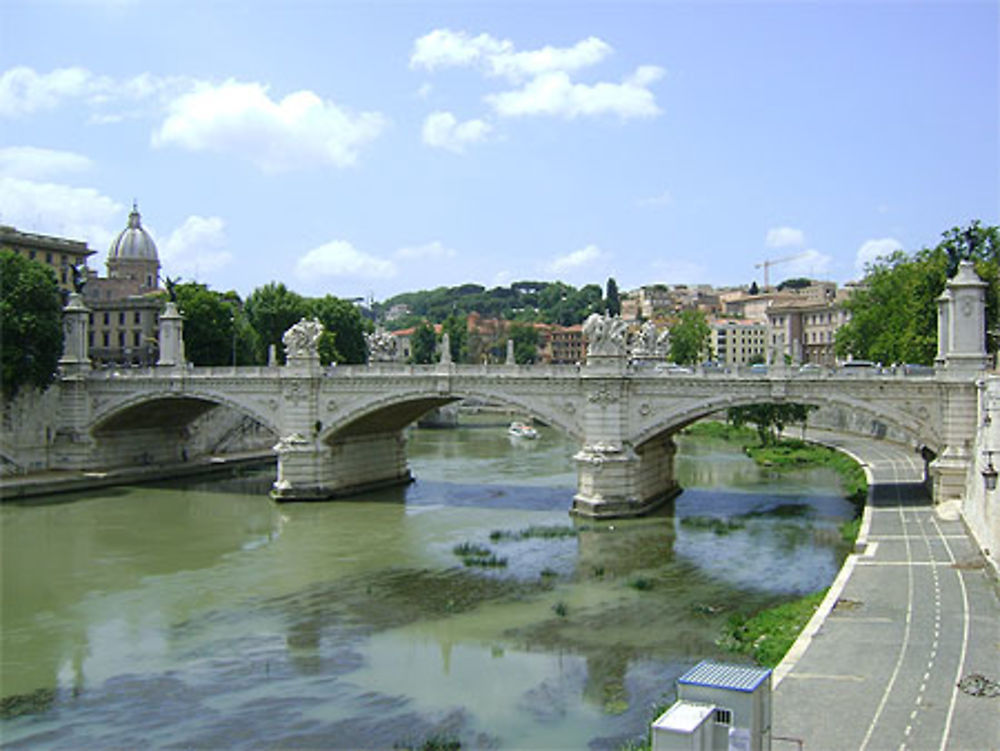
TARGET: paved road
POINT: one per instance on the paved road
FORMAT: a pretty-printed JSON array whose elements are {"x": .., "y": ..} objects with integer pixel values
[{"x": 916, "y": 614}]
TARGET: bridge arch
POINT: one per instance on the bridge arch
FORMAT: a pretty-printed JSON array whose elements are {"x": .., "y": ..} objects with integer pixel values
[
  {"x": 391, "y": 413},
  {"x": 921, "y": 432},
  {"x": 171, "y": 409}
]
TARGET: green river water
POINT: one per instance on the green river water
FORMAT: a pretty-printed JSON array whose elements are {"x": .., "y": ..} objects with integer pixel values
[{"x": 199, "y": 614}]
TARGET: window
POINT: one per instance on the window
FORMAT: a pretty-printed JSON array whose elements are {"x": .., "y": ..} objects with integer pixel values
[
  {"x": 121, "y": 318},
  {"x": 121, "y": 338},
  {"x": 107, "y": 318},
  {"x": 48, "y": 258},
  {"x": 723, "y": 717},
  {"x": 90, "y": 338},
  {"x": 32, "y": 254},
  {"x": 136, "y": 339},
  {"x": 138, "y": 317},
  {"x": 107, "y": 339}
]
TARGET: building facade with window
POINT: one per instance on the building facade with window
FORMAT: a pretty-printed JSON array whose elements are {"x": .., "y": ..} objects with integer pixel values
[
  {"x": 738, "y": 342},
  {"x": 58, "y": 253}
]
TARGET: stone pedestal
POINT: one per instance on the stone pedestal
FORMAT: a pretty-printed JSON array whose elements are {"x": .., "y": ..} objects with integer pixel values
[
  {"x": 962, "y": 321},
  {"x": 171, "y": 337},
  {"x": 76, "y": 356}
]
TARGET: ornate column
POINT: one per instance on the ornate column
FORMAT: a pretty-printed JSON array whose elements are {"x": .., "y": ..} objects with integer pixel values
[
  {"x": 72, "y": 446},
  {"x": 966, "y": 321},
  {"x": 962, "y": 325}
]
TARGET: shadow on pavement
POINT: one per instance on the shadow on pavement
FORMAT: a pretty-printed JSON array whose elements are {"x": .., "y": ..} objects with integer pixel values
[{"x": 899, "y": 494}]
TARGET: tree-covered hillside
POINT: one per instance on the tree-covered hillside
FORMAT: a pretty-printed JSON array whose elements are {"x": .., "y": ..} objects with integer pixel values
[{"x": 545, "y": 302}]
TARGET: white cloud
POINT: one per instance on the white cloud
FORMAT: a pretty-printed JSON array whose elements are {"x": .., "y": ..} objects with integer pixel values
[
  {"x": 577, "y": 259},
  {"x": 442, "y": 130},
  {"x": 444, "y": 48},
  {"x": 241, "y": 119},
  {"x": 340, "y": 258},
  {"x": 197, "y": 247},
  {"x": 554, "y": 94},
  {"x": 24, "y": 91},
  {"x": 49, "y": 208},
  {"x": 424, "y": 91},
  {"x": 432, "y": 251},
  {"x": 34, "y": 163},
  {"x": 871, "y": 250},
  {"x": 785, "y": 237},
  {"x": 663, "y": 199}
]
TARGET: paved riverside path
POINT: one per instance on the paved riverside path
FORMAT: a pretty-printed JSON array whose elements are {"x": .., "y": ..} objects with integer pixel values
[{"x": 917, "y": 612}]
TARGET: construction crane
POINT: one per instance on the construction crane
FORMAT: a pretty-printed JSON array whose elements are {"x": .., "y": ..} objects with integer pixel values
[{"x": 767, "y": 264}]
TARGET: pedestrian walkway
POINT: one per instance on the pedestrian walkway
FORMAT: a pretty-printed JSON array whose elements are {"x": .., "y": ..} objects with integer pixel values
[{"x": 912, "y": 614}]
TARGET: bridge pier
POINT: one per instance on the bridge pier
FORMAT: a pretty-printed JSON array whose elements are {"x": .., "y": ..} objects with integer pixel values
[
  {"x": 310, "y": 469},
  {"x": 620, "y": 481},
  {"x": 615, "y": 478}
]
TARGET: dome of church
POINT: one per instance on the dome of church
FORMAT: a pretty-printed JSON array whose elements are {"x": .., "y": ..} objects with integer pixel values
[{"x": 133, "y": 242}]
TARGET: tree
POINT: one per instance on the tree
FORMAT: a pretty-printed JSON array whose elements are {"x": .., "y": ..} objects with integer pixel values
[
  {"x": 271, "y": 311},
  {"x": 31, "y": 331},
  {"x": 209, "y": 324},
  {"x": 754, "y": 289},
  {"x": 422, "y": 344},
  {"x": 612, "y": 301},
  {"x": 689, "y": 338},
  {"x": 343, "y": 339},
  {"x": 769, "y": 419},
  {"x": 800, "y": 282},
  {"x": 894, "y": 313},
  {"x": 525, "y": 338}
]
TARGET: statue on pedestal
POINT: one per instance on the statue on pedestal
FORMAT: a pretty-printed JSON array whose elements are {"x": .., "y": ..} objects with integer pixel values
[
  {"x": 606, "y": 335},
  {"x": 302, "y": 339}
]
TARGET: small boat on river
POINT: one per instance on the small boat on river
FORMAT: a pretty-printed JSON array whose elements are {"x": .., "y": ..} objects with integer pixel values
[{"x": 522, "y": 430}]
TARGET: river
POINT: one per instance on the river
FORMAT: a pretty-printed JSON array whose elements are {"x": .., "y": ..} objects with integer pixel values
[{"x": 199, "y": 614}]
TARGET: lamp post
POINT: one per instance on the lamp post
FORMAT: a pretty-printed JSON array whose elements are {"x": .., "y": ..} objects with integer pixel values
[
  {"x": 990, "y": 473},
  {"x": 232, "y": 321}
]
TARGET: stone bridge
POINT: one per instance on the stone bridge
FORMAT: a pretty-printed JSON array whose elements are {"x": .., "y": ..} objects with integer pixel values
[{"x": 340, "y": 430}]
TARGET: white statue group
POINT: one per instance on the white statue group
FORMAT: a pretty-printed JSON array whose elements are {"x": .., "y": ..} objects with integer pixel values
[{"x": 607, "y": 336}]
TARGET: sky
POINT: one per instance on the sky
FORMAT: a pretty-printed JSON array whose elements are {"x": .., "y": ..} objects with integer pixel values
[{"x": 363, "y": 149}]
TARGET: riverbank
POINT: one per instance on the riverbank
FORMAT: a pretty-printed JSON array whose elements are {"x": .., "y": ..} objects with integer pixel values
[
  {"x": 768, "y": 635},
  {"x": 52, "y": 482}
]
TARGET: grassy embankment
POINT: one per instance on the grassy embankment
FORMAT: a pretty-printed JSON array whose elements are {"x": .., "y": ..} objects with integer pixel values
[{"x": 767, "y": 635}]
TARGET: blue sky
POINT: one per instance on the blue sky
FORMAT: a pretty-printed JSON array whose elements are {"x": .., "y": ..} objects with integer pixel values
[{"x": 359, "y": 148}]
